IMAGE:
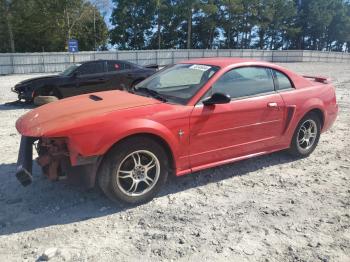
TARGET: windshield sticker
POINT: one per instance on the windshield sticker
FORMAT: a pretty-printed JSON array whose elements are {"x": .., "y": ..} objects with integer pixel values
[{"x": 200, "y": 67}]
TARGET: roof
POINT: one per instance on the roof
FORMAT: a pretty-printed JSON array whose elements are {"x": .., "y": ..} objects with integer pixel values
[
  {"x": 229, "y": 62},
  {"x": 220, "y": 61}
]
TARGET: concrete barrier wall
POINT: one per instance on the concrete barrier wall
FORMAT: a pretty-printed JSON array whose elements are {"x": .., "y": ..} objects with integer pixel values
[{"x": 23, "y": 63}]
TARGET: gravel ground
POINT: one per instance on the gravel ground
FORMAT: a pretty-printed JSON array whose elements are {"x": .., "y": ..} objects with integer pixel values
[{"x": 271, "y": 208}]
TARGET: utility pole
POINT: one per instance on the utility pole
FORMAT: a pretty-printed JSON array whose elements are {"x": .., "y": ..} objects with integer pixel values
[
  {"x": 300, "y": 39},
  {"x": 9, "y": 25},
  {"x": 158, "y": 29},
  {"x": 189, "y": 28},
  {"x": 299, "y": 4},
  {"x": 95, "y": 28}
]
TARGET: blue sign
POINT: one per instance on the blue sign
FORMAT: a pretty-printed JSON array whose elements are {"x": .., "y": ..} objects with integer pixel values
[{"x": 73, "y": 46}]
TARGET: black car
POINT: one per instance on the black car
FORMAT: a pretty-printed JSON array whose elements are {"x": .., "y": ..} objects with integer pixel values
[{"x": 87, "y": 77}]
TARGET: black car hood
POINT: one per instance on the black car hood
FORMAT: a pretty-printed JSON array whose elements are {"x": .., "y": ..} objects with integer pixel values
[{"x": 28, "y": 81}]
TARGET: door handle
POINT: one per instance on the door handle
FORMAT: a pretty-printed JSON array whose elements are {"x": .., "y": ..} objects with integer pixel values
[{"x": 273, "y": 105}]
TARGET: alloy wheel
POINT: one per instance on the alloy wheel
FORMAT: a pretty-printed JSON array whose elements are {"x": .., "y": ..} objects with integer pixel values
[
  {"x": 138, "y": 173},
  {"x": 307, "y": 135}
]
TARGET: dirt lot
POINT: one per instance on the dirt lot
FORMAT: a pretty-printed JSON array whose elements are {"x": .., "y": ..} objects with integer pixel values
[{"x": 271, "y": 208}]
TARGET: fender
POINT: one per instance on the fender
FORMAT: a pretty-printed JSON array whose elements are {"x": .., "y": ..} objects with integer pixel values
[
  {"x": 300, "y": 111},
  {"x": 309, "y": 105},
  {"x": 44, "y": 89},
  {"x": 84, "y": 145}
]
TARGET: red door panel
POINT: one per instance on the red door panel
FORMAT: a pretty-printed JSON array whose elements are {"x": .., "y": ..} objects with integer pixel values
[{"x": 236, "y": 129}]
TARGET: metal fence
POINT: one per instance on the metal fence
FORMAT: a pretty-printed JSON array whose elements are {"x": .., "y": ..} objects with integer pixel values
[{"x": 23, "y": 63}]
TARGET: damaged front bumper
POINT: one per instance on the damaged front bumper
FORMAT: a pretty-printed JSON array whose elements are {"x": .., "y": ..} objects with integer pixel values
[
  {"x": 25, "y": 161},
  {"x": 24, "y": 93},
  {"x": 54, "y": 159}
]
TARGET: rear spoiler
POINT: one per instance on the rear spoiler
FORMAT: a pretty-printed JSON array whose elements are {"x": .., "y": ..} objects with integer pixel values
[
  {"x": 154, "y": 66},
  {"x": 321, "y": 79}
]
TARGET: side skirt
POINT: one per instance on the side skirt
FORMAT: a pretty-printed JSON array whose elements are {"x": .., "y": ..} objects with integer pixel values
[{"x": 227, "y": 161}]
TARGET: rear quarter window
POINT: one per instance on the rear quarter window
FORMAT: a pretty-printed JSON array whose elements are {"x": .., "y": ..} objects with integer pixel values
[
  {"x": 283, "y": 82},
  {"x": 113, "y": 66},
  {"x": 127, "y": 66},
  {"x": 91, "y": 68}
]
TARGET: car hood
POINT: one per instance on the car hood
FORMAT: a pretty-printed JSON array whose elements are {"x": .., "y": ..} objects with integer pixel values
[
  {"x": 68, "y": 113},
  {"x": 42, "y": 78}
]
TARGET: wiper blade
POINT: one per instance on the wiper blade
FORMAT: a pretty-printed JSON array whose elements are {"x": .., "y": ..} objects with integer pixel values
[{"x": 152, "y": 93}]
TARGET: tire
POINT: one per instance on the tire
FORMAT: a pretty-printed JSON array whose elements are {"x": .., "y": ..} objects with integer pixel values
[
  {"x": 119, "y": 171},
  {"x": 28, "y": 101},
  {"x": 42, "y": 100},
  {"x": 306, "y": 136}
]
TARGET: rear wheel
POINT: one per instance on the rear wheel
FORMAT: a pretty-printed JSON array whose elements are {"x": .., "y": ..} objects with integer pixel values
[
  {"x": 306, "y": 136},
  {"x": 134, "y": 170}
]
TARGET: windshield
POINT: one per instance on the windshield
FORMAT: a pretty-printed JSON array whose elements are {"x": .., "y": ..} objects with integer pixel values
[
  {"x": 178, "y": 83},
  {"x": 70, "y": 70}
]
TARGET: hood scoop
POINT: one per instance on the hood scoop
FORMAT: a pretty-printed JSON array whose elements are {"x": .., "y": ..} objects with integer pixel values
[{"x": 95, "y": 98}]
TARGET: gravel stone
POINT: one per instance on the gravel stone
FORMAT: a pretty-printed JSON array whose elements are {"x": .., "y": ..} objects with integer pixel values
[{"x": 275, "y": 198}]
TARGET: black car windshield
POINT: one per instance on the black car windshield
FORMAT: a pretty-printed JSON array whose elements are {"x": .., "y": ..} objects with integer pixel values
[
  {"x": 178, "y": 83},
  {"x": 70, "y": 70}
]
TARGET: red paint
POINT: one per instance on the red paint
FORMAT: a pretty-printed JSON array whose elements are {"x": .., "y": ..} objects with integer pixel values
[
  {"x": 239, "y": 128},
  {"x": 213, "y": 135}
]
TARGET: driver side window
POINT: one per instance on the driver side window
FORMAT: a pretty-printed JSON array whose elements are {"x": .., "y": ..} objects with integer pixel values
[{"x": 245, "y": 81}]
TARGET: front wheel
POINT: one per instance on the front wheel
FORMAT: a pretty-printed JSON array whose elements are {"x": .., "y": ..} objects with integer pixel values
[
  {"x": 134, "y": 170},
  {"x": 306, "y": 136},
  {"x": 43, "y": 100}
]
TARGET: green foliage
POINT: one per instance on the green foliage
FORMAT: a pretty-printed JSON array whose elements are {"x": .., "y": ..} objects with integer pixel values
[
  {"x": 205, "y": 30},
  {"x": 325, "y": 24},
  {"x": 46, "y": 25},
  {"x": 133, "y": 23},
  {"x": 263, "y": 24}
]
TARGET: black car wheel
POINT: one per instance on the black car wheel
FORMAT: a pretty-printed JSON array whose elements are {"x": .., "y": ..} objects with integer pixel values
[
  {"x": 55, "y": 92},
  {"x": 42, "y": 100},
  {"x": 42, "y": 96},
  {"x": 134, "y": 171}
]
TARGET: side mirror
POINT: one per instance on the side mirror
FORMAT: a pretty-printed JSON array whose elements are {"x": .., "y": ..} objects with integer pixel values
[
  {"x": 75, "y": 74},
  {"x": 217, "y": 98}
]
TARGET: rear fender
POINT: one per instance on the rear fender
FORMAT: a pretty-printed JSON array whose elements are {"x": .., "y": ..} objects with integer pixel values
[
  {"x": 299, "y": 113},
  {"x": 312, "y": 104}
]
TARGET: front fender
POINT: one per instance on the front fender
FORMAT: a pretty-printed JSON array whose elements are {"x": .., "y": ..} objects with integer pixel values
[
  {"x": 43, "y": 89},
  {"x": 98, "y": 142}
]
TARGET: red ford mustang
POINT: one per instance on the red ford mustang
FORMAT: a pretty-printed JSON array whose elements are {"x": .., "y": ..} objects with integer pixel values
[{"x": 190, "y": 116}]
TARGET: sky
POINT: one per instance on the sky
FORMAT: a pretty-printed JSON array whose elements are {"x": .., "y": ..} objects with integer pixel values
[{"x": 106, "y": 11}]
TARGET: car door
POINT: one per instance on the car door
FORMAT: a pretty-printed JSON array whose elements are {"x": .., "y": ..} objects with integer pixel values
[
  {"x": 251, "y": 123},
  {"x": 91, "y": 77}
]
